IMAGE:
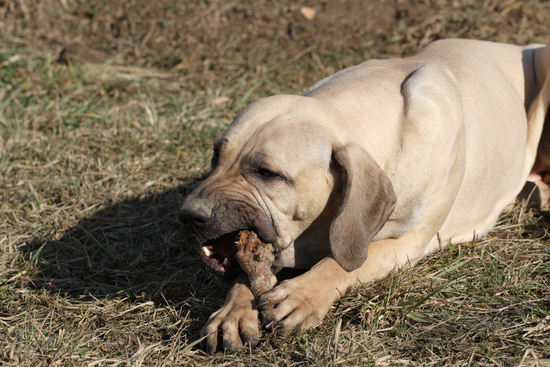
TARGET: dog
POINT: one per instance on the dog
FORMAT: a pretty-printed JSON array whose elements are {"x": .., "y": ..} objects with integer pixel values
[{"x": 368, "y": 170}]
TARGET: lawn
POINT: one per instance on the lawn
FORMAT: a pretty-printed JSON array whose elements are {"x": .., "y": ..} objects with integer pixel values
[{"x": 107, "y": 115}]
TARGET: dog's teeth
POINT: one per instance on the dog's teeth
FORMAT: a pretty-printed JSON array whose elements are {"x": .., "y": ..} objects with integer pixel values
[
  {"x": 207, "y": 252},
  {"x": 225, "y": 261}
]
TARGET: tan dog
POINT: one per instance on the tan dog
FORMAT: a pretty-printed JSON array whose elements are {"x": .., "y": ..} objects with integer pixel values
[{"x": 371, "y": 168}]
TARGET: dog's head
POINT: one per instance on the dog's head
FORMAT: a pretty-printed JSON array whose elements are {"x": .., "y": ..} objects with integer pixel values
[{"x": 282, "y": 171}]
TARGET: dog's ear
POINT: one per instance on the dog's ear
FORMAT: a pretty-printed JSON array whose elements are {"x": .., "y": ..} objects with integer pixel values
[{"x": 367, "y": 201}]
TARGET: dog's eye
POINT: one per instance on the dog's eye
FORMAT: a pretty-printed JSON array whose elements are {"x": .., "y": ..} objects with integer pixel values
[
  {"x": 215, "y": 157},
  {"x": 266, "y": 173},
  {"x": 219, "y": 143}
]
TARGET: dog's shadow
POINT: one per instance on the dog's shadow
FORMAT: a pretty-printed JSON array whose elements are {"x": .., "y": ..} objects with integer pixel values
[{"x": 134, "y": 249}]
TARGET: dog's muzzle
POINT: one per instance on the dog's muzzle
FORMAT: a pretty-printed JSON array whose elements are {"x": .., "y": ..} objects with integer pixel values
[{"x": 216, "y": 250}]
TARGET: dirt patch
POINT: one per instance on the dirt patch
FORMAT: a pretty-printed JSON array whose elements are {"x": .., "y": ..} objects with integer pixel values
[
  {"x": 212, "y": 42},
  {"x": 191, "y": 35}
]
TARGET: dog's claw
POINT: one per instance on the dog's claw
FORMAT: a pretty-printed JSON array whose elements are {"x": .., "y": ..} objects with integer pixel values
[
  {"x": 279, "y": 326},
  {"x": 248, "y": 341},
  {"x": 209, "y": 348},
  {"x": 245, "y": 338}
]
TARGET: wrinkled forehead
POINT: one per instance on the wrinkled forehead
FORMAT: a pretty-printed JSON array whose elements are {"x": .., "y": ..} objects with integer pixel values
[
  {"x": 294, "y": 130},
  {"x": 291, "y": 141}
]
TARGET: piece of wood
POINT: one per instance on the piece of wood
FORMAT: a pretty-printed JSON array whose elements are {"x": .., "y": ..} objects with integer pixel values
[{"x": 255, "y": 258}]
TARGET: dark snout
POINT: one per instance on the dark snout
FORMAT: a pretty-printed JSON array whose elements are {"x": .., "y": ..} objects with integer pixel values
[
  {"x": 215, "y": 220},
  {"x": 195, "y": 211},
  {"x": 213, "y": 215}
]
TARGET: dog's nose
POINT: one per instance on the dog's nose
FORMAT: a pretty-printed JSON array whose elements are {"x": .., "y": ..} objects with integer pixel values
[{"x": 194, "y": 212}]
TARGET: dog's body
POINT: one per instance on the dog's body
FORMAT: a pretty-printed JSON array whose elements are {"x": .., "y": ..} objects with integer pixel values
[{"x": 368, "y": 170}]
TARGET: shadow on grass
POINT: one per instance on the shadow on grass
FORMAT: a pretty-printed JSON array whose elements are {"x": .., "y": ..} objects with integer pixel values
[{"x": 134, "y": 249}]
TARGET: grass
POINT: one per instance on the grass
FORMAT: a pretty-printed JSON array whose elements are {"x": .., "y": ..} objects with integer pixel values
[{"x": 95, "y": 159}]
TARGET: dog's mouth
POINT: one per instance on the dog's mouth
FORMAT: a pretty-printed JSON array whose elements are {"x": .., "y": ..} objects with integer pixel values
[{"x": 219, "y": 254}]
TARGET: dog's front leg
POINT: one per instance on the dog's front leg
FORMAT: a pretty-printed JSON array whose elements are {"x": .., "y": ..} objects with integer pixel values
[
  {"x": 301, "y": 303},
  {"x": 236, "y": 323}
]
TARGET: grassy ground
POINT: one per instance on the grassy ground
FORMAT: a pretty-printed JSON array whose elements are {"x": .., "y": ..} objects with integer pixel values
[{"x": 107, "y": 113}]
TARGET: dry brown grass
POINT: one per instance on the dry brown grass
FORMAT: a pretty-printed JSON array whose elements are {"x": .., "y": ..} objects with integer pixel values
[{"x": 100, "y": 142}]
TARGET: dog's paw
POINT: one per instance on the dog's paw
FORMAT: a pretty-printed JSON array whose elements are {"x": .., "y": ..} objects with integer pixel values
[
  {"x": 291, "y": 308},
  {"x": 233, "y": 327}
]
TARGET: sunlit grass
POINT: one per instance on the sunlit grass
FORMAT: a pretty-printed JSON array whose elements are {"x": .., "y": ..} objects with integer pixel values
[{"x": 95, "y": 159}]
